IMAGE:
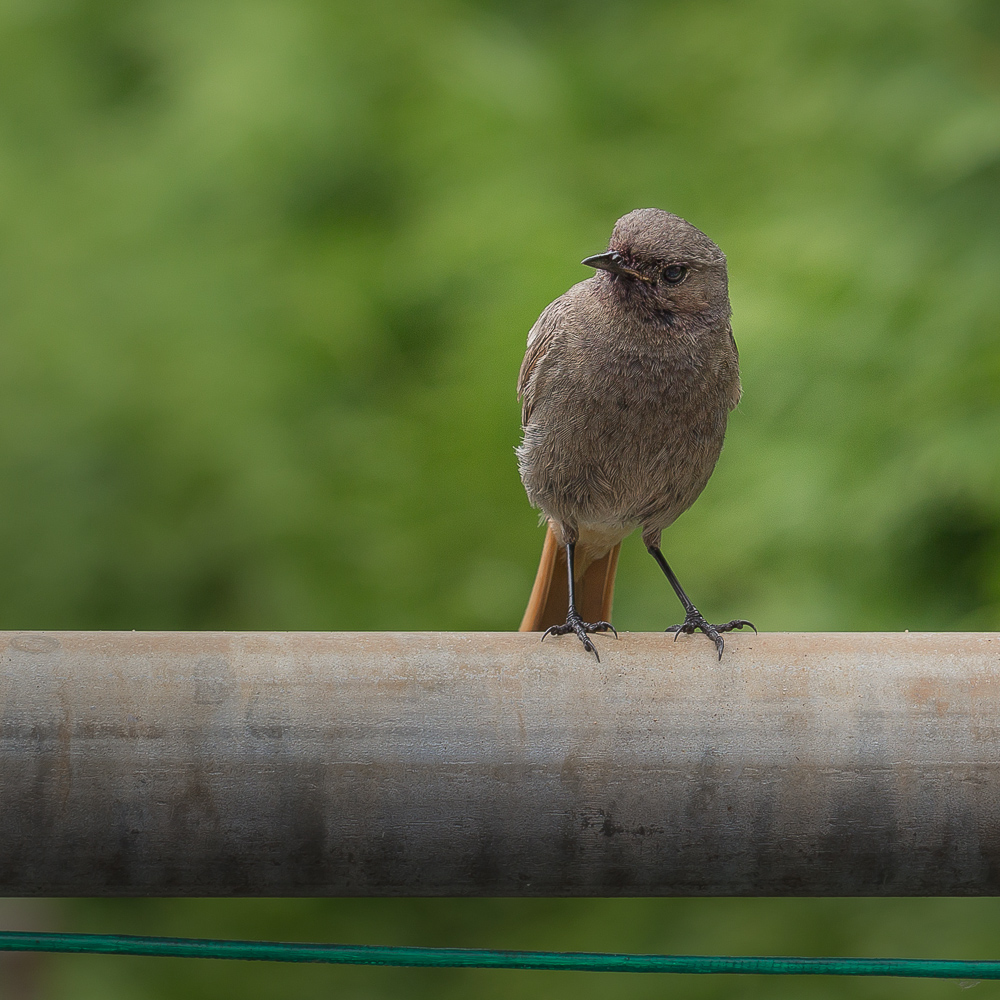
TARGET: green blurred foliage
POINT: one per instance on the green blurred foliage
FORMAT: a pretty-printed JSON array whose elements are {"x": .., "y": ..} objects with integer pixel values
[{"x": 266, "y": 270}]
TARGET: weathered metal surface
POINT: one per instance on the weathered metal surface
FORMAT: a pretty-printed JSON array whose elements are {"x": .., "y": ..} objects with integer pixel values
[{"x": 490, "y": 764}]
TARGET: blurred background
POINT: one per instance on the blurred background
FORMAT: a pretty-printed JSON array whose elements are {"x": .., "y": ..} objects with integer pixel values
[{"x": 266, "y": 273}]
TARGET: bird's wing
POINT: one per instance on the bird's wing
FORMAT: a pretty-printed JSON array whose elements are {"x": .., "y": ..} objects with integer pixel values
[
  {"x": 540, "y": 338},
  {"x": 737, "y": 391},
  {"x": 732, "y": 340}
]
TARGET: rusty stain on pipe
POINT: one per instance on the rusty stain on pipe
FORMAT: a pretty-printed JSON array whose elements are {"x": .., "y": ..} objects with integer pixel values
[{"x": 349, "y": 764}]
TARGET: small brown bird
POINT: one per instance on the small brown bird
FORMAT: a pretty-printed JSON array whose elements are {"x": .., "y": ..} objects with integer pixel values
[{"x": 626, "y": 387}]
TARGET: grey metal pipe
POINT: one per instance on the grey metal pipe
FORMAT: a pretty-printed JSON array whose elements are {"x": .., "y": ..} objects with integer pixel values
[{"x": 222, "y": 764}]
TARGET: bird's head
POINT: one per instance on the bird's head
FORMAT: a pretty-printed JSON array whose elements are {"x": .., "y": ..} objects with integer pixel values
[{"x": 662, "y": 263}]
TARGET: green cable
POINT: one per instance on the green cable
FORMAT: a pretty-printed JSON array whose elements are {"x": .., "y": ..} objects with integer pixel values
[{"x": 484, "y": 958}]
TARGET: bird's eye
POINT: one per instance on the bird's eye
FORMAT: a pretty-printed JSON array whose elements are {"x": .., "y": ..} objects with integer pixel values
[{"x": 674, "y": 274}]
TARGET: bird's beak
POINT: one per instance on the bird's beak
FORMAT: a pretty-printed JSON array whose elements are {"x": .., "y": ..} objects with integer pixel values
[{"x": 612, "y": 261}]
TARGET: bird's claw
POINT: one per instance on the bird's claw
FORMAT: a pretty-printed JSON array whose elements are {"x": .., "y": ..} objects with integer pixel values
[
  {"x": 575, "y": 624},
  {"x": 696, "y": 621}
]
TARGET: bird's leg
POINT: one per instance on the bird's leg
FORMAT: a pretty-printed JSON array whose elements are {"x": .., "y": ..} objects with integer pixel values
[
  {"x": 693, "y": 618},
  {"x": 574, "y": 623}
]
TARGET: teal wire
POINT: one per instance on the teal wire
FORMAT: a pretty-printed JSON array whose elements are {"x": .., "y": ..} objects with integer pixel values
[{"x": 483, "y": 958}]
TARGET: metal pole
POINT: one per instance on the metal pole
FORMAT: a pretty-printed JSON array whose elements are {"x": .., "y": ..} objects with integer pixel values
[{"x": 219, "y": 764}]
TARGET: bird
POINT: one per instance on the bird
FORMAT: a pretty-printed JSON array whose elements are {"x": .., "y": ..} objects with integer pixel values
[{"x": 626, "y": 388}]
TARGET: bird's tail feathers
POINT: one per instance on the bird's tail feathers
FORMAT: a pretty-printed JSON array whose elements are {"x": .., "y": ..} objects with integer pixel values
[{"x": 595, "y": 586}]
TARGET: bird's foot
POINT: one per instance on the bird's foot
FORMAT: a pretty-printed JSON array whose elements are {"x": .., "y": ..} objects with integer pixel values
[
  {"x": 574, "y": 623},
  {"x": 695, "y": 620}
]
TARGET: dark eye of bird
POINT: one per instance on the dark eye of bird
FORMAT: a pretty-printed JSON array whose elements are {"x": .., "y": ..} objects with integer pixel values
[{"x": 674, "y": 274}]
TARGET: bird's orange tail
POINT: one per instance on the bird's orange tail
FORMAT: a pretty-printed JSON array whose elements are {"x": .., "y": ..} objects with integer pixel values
[{"x": 595, "y": 586}]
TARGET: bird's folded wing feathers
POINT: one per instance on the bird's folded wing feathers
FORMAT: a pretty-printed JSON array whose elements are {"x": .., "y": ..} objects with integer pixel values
[{"x": 540, "y": 338}]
